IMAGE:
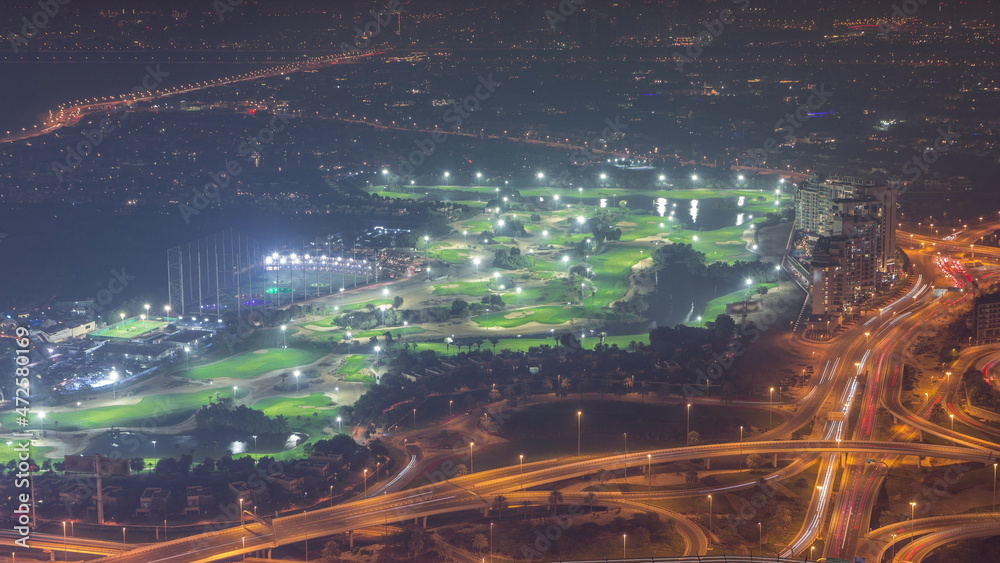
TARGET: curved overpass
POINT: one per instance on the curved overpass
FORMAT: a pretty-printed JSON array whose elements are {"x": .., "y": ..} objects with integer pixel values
[{"x": 474, "y": 492}]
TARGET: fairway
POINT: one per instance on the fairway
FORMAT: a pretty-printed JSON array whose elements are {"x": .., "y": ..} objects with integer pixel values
[
  {"x": 252, "y": 364},
  {"x": 130, "y": 329},
  {"x": 149, "y": 413}
]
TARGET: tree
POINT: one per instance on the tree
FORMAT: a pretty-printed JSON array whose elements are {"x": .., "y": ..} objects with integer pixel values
[
  {"x": 754, "y": 461},
  {"x": 397, "y": 302},
  {"x": 461, "y": 469},
  {"x": 494, "y": 341},
  {"x": 460, "y": 308},
  {"x": 590, "y": 500},
  {"x": 555, "y": 498},
  {"x": 480, "y": 543},
  {"x": 693, "y": 438},
  {"x": 331, "y": 550},
  {"x": 499, "y": 504},
  {"x": 762, "y": 290}
]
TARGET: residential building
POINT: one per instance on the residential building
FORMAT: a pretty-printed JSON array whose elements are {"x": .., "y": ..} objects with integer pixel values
[
  {"x": 199, "y": 500},
  {"x": 153, "y": 499},
  {"x": 986, "y": 317}
]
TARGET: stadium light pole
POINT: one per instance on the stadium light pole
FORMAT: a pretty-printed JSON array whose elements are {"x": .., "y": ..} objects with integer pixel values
[
  {"x": 284, "y": 342},
  {"x": 255, "y": 443},
  {"x": 166, "y": 312},
  {"x": 154, "y": 448},
  {"x": 147, "y": 309},
  {"x": 297, "y": 373},
  {"x": 234, "y": 392}
]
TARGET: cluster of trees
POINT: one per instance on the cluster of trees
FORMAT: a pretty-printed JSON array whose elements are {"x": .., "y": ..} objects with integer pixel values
[
  {"x": 681, "y": 258},
  {"x": 605, "y": 369},
  {"x": 223, "y": 416},
  {"x": 981, "y": 393},
  {"x": 372, "y": 316},
  {"x": 511, "y": 259}
]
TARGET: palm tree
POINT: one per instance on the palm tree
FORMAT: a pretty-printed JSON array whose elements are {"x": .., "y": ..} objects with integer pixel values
[
  {"x": 499, "y": 504},
  {"x": 555, "y": 497},
  {"x": 480, "y": 543},
  {"x": 753, "y": 461},
  {"x": 494, "y": 341},
  {"x": 590, "y": 500}
]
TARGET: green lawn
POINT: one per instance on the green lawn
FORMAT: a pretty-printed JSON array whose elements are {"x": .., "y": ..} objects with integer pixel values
[
  {"x": 252, "y": 364},
  {"x": 717, "y": 306},
  {"x": 475, "y": 288},
  {"x": 523, "y": 344},
  {"x": 160, "y": 410},
  {"x": 552, "y": 315},
  {"x": 131, "y": 329}
]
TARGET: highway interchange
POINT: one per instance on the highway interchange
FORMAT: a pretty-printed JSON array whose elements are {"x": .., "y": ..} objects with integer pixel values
[{"x": 861, "y": 374}]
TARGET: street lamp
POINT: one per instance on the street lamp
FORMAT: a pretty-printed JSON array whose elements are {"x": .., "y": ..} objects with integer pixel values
[
  {"x": 710, "y": 512},
  {"x": 649, "y": 471},
  {"x": 123, "y": 535},
  {"x": 297, "y": 373},
  {"x": 366, "y": 482},
  {"x": 234, "y": 392},
  {"x": 472, "y": 458},
  {"x": 241, "y": 511},
  {"x": 994, "y": 487},
  {"x": 450, "y": 403},
  {"x": 255, "y": 443},
  {"x": 65, "y": 554},
  {"x": 154, "y": 448},
  {"x": 741, "y": 448},
  {"x": 41, "y": 422},
  {"x": 624, "y": 545},
  {"x": 760, "y": 538},
  {"x": 913, "y": 505},
  {"x": 625, "y": 459},
  {"x": 520, "y": 458},
  {"x": 579, "y": 414},
  {"x": 770, "y": 411},
  {"x": 414, "y": 419},
  {"x": 284, "y": 342},
  {"x": 952, "y": 429},
  {"x": 688, "y": 435},
  {"x": 339, "y": 427}
]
